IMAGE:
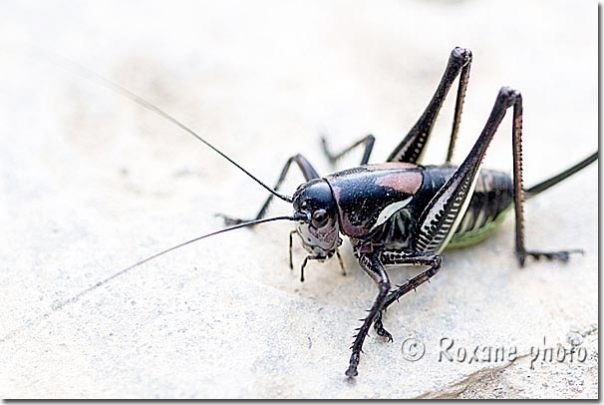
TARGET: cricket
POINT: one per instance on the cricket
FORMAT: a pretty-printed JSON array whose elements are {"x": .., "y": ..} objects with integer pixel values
[{"x": 397, "y": 213}]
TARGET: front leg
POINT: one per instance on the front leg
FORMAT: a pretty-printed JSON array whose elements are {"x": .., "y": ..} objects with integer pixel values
[
  {"x": 392, "y": 257},
  {"x": 305, "y": 167},
  {"x": 372, "y": 266}
]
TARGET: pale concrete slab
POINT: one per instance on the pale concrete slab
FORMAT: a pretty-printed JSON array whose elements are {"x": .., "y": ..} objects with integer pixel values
[{"x": 91, "y": 183}]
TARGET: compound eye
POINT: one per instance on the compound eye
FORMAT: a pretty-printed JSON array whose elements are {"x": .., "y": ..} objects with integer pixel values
[{"x": 319, "y": 218}]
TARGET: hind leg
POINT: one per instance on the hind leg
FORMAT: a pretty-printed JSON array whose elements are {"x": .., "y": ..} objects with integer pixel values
[
  {"x": 521, "y": 252},
  {"x": 411, "y": 148}
]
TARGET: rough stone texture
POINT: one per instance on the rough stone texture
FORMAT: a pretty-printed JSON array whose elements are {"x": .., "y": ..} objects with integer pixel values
[{"x": 91, "y": 183}]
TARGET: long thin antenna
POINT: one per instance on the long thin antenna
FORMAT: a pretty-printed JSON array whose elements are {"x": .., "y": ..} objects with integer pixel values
[
  {"x": 91, "y": 75},
  {"x": 75, "y": 298},
  {"x": 59, "y": 305}
]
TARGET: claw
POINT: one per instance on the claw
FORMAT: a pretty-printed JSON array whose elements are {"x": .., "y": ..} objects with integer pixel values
[
  {"x": 352, "y": 372},
  {"x": 385, "y": 334}
]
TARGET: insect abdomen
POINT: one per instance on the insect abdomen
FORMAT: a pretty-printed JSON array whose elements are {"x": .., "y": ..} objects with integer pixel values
[{"x": 492, "y": 199}]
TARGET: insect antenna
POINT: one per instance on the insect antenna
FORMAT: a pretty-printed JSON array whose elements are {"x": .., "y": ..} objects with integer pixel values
[
  {"x": 75, "y": 298},
  {"x": 60, "y": 304},
  {"x": 88, "y": 74}
]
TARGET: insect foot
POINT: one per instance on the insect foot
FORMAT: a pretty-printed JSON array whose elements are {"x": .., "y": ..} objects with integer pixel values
[
  {"x": 379, "y": 327},
  {"x": 352, "y": 368},
  {"x": 562, "y": 255}
]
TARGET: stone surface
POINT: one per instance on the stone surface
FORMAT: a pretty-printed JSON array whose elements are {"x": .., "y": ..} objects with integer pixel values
[{"x": 91, "y": 183}]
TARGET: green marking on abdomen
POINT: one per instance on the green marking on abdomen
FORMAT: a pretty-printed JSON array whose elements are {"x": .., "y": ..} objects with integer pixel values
[{"x": 474, "y": 237}]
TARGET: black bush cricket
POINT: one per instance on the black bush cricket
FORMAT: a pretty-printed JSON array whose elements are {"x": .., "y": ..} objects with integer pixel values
[{"x": 399, "y": 212}]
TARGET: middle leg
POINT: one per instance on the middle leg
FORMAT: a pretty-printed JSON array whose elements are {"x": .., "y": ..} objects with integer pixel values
[
  {"x": 405, "y": 258},
  {"x": 367, "y": 142},
  {"x": 370, "y": 262}
]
